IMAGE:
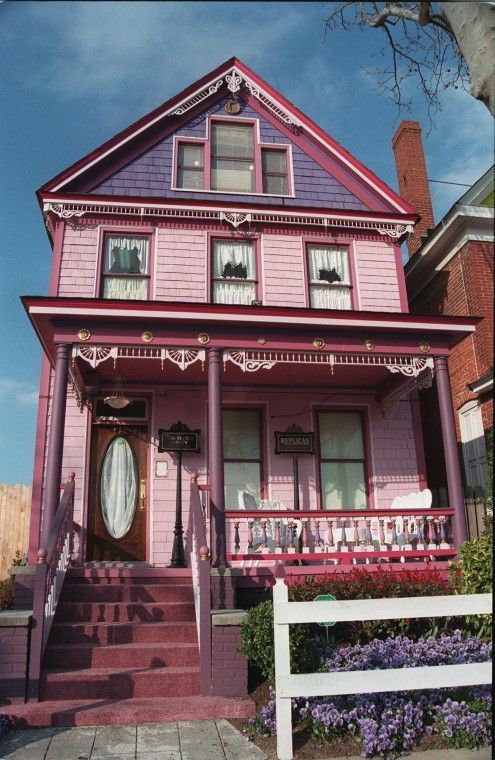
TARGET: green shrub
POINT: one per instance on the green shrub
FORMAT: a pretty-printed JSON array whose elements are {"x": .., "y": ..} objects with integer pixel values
[
  {"x": 473, "y": 574},
  {"x": 382, "y": 583},
  {"x": 258, "y": 644},
  {"x": 7, "y": 594}
]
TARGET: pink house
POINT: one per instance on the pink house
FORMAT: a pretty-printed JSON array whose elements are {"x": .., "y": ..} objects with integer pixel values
[{"x": 227, "y": 294}]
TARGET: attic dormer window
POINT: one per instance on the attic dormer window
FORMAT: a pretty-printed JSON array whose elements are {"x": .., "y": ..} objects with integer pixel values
[
  {"x": 232, "y": 157},
  {"x": 329, "y": 277}
]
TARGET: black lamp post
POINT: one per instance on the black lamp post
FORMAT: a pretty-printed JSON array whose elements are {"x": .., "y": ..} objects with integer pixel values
[{"x": 177, "y": 440}]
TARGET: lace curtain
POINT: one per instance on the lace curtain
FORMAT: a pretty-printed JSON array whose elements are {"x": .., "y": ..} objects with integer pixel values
[
  {"x": 234, "y": 265},
  {"x": 118, "y": 488},
  {"x": 126, "y": 256},
  {"x": 329, "y": 265}
]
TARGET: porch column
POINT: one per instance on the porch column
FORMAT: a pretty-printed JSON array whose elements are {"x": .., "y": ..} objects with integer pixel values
[
  {"x": 55, "y": 441},
  {"x": 452, "y": 466},
  {"x": 215, "y": 456}
]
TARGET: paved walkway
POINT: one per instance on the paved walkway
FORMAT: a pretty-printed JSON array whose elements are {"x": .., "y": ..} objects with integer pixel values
[{"x": 187, "y": 740}]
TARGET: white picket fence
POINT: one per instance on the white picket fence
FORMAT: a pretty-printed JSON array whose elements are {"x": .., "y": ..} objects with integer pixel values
[{"x": 288, "y": 685}]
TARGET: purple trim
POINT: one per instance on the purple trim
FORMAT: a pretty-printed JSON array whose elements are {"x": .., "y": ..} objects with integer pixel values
[
  {"x": 58, "y": 241},
  {"x": 418, "y": 439},
  {"x": 401, "y": 279},
  {"x": 215, "y": 456},
  {"x": 39, "y": 460},
  {"x": 56, "y": 441},
  {"x": 452, "y": 466}
]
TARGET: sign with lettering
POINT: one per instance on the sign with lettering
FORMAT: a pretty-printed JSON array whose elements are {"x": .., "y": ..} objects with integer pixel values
[
  {"x": 179, "y": 440},
  {"x": 294, "y": 442}
]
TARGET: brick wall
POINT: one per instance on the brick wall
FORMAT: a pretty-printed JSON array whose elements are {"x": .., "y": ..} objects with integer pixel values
[
  {"x": 229, "y": 667},
  {"x": 24, "y": 587},
  {"x": 14, "y": 648}
]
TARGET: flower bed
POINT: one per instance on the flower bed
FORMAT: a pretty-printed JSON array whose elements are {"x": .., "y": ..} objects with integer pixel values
[{"x": 391, "y": 723}]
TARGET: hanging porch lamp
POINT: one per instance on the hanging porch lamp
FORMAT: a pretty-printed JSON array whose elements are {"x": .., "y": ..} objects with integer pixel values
[{"x": 118, "y": 399}]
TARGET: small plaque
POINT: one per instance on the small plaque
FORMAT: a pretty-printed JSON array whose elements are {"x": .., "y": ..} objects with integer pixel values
[
  {"x": 294, "y": 443},
  {"x": 179, "y": 440}
]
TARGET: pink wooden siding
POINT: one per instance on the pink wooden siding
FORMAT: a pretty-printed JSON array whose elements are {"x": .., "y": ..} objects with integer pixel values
[
  {"x": 283, "y": 271},
  {"x": 79, "y": 263},
  {"x": 392, "y": 461},
  {"x": 181, "y": 265},
  {"x": 377, "y": 276}
]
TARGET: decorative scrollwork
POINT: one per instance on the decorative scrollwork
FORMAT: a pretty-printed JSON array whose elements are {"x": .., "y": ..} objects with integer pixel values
[
  {"x": 234, "y": 218},
  {"x": 95, "y": 355},
  {"x": 63, "y": 213},
  {"x": 234, "y": 81},
  {"x": 198, "y": 98},
  {"x": 396, "y": 231},
  {"x": 184, "y": 357}
]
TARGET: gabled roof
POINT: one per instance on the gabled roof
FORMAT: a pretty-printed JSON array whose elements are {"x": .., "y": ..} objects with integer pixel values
[{"x": 229, "y": 77}]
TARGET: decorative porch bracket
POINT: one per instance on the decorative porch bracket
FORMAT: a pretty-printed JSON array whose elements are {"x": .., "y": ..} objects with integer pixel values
[
  {"x": 252, "y": 361},
  {"x": 181, "y": 357},
  {"x": 423, "y": 380}
]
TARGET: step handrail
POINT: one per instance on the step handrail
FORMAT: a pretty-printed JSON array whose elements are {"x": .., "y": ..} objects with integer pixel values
[
  {"x": 53, "y": 561},
  {"x": 200, "y": 566}
]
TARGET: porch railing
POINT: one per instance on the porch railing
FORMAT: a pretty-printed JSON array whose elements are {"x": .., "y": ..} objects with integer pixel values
[
  {"x": 200, "y": 566},
  {"x": 53, "y": 561},
  {"x": 345, "y": 538}
]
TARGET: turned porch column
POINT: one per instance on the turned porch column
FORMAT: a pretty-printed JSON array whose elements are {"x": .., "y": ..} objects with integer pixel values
[
  {"x": 215, "y": 456},
  {"x": 55, "y": 441},
  {"x": 452, "y": 466}
]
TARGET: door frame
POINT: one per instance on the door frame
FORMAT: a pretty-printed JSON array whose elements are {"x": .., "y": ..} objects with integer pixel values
[{"x": 144, "y": 426}]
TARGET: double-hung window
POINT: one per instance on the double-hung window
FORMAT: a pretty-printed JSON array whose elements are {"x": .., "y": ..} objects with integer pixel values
[
  {"x": 190, "y": 166},
  {"x": 329, "y": 277},
  {"x": 234, "y": 271},
  {"x": 242, "y": 458},
  {"x": 232, "y": 157},
  {"x": 125, "y": 269},
  {"x": 342, "y": 460},
  {"x": 274, "y": 170}
]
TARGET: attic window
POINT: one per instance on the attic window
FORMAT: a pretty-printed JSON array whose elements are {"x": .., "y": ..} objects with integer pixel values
[
  {"x": 231, "y": 159},
  {"x": 329, "y": 277}
]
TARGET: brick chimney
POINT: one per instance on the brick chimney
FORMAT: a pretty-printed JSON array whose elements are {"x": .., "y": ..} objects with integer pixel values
[{"x": 413, "y": 178}]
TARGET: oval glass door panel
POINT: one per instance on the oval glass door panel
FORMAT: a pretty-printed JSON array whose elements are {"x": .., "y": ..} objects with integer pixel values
[{"x": 118, "y": 487}]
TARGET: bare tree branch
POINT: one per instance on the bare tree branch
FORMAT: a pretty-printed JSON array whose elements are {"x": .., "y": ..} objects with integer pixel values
[{"x": 423, "y": 44}]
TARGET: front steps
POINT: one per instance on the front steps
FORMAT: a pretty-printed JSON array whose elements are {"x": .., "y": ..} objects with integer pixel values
[{"x": 123, "y": 649}]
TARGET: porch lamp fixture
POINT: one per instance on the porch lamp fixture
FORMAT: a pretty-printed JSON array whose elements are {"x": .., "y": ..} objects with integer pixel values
[{"x": 118, "y": 400}]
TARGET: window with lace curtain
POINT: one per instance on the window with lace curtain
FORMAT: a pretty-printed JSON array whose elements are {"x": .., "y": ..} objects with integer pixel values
[
  {"x": 329, "y": 277},
  {"x": 234, "y": 278},
  {"x": 125, "y": 271}
]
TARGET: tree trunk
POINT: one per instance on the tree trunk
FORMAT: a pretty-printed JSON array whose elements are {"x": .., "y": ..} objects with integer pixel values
[{"x": 474, "y": 27}]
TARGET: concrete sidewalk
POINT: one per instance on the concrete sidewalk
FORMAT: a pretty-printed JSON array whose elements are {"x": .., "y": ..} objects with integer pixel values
[{"x": 187, "y": 740}]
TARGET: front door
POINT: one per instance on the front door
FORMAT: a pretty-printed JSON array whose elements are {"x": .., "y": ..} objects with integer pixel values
[{"x": 117, "y": 495}]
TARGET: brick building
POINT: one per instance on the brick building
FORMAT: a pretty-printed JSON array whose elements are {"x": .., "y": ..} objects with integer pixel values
[{"x": 450, "y": 271}]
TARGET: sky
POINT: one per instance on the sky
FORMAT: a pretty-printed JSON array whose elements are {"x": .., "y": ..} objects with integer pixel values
[{"x": 74, "y": 74}]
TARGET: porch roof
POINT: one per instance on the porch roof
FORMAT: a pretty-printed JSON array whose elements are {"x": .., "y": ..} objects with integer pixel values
[{"x": 380, "y": 352}]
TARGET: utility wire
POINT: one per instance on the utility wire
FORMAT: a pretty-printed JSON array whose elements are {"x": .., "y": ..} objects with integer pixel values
[{"x": 444, "y": 182}]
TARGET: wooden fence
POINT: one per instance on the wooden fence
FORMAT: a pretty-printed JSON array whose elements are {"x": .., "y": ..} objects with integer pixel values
[
  {"x": 15, "y": 511},
  {"x": 288, "y": 685}
]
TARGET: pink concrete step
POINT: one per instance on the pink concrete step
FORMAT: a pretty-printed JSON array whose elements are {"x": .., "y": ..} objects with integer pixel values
[
  {"x": 117, "y": 712},
  {"x": 123, "y": 633},
  {"x": 141, "y": 655},
  {"x": 104, "y": 576},
  {"x": 124, "y": 612},
  {"x": 109, "y": 683},
  {"x": 157, "y": 592}
]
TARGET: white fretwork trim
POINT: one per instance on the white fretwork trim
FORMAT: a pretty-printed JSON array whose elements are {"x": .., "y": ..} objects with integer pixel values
[
  {"x": 234, "y": 218},
  {"x": 63, "y": 212},
  {"x": 66, "y": 210},
  {"x": 198, "y": 98},
  {"x": 423, "y": 380},
  {"x": 252, "y": 361},
  {"x": 400, "y": 230},
  {"x": 234, "y": 81},
  {"x": 56, "y": 587},
  {"x": 181, "y": 357}
]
